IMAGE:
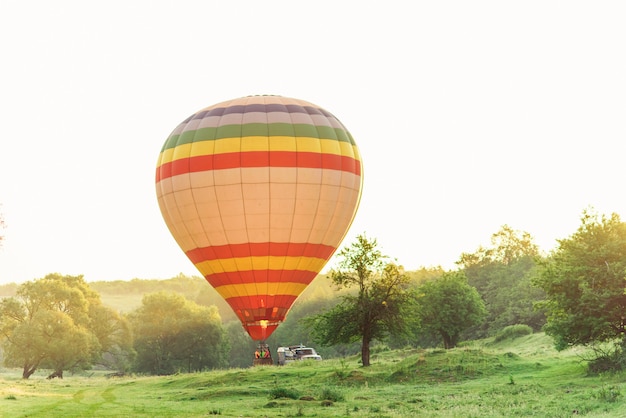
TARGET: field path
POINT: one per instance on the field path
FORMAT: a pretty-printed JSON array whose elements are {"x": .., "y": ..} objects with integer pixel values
[{"x": 90, "y": 401}]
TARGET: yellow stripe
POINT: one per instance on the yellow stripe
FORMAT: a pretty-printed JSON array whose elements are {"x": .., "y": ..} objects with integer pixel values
[
  {"x": 253, "y": 143},
  {"x": 227, "y": 265},
  {"x": 253, "y": 289},
  {"x": 166, "y": 156}
]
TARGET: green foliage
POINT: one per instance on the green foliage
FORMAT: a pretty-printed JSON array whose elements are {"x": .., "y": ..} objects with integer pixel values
[
  {"x": 502, "y": 274},
  {"x": 607, "y": 357},
  {"x": 241, "y": 345},
  {"x": 448, "y": 305},
  {"x": 377, "y": 309},
  {"x": 610, "y": 393},
  {"x": 173, "y": 334},
  {"x": 56, "y": 322},
  {"x": 607, "y": 363},
  {"x": 584, "y": 283},
  {"x": 294, "y": 330},
  {"x": 114, "y": 336},
  {"x": 512, "y": 332},
  {"x": 277, "y": 393},
  {"x": 507, "y": 245},
  {"x": 330, "y": 394}
]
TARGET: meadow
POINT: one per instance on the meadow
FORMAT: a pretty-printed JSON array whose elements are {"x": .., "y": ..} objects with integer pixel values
[{"x": 516, "y": 377}]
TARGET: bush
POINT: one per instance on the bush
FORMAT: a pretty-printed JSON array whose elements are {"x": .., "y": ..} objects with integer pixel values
[
  {"x": 613, "y": 362},
  {"x": 277, "y": 393},
  {"x": 608, "y": 394},
  {"x": 331, "y": 395},
  {"x": 512, "y": 332}
]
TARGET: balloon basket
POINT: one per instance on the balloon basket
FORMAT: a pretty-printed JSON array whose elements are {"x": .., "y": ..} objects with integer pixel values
[
  {"x": 262, "y": 356},
  {"x": 263, "y": 362}
]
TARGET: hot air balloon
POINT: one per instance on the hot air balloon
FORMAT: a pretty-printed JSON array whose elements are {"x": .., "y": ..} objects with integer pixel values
[{"x": 259, "y": 192}]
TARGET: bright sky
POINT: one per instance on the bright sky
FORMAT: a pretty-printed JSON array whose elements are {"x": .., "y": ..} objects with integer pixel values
[{"x": 469, "y": 115}]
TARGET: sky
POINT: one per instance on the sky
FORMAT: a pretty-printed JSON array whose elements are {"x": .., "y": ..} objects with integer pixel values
[{"x": 468, "y": 116}]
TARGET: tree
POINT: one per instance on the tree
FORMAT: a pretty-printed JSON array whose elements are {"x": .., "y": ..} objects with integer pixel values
[
  {"x": 584, "y": 280},
  {"x": 174, "y": 334},
  {"x": 47, "y": 324},
  {"x": 376, "y": 310},
  {"x": 502, "y": 275},
  {"x": 292, "y": 331},
  {"x": 241, "y": 345},
  {"x": 507, "y": 245},
  {"x": 448, "y": 305},
  {"x": 114, "y": 336}
]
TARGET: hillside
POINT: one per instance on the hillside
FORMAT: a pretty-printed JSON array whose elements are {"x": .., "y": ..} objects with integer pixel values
[
  {"x": 126, "y": 295},
  {"x": 521, "y": 377}
]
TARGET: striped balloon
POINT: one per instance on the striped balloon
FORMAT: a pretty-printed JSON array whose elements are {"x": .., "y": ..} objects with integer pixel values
[{"x": 259, "y": 192}]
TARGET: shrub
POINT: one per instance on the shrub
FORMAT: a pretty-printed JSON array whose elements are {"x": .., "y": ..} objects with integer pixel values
[
  {"x": 379, "y": 348},
  {"x": 331, "y": 395},
  {"x": 512, "y": 332},
  {"x": 608, "y": 394},
  {"x": 277, "y": 393},
  {"x": 613, "y": 362}
]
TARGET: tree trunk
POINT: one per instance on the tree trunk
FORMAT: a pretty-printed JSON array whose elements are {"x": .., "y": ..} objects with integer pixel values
[
  {"x": 57, "y": 373},
  {"x": 28, "y": 371},
  {"x": 365, "y": 351},
  {"x": 447, "y": 340}
]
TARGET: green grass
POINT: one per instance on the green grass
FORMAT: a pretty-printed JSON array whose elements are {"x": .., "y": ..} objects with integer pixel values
[{"x": 515, "y": 377}]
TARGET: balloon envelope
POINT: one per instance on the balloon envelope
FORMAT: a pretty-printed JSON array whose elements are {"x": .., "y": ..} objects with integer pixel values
[{"x": 259, "y": 192}]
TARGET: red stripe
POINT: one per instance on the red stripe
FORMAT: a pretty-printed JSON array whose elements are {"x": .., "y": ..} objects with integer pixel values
[
  {"x": 259, "y": 333},
  {"x": 260, "y": 307},
  {"x": 251, "y": 315},
  {"x": 261, "y": 276},
  {"x": 163, "y": 171},
  {"x": 260, "y": 249},
  {"x": 252, "y": 309},
  {"x": 258, "y": 159}
]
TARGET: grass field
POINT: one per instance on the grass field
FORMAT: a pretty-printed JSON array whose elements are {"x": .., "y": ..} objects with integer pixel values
[{"x": 521, "y": 377}]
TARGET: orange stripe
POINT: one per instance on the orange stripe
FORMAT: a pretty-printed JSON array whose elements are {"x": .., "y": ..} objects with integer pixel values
[
  {"x": 258, "y": 159},
  {"x": 254, "y": 249}
]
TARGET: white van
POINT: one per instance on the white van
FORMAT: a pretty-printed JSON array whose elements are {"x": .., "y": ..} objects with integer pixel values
[{"x": 296, "y": 352}]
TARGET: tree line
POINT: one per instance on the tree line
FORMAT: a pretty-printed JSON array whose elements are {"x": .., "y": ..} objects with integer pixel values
[{"x": 575, "y": 294}]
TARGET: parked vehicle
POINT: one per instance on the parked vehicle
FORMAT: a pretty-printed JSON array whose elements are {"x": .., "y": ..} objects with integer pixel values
[{"x": 296, "y": 352}]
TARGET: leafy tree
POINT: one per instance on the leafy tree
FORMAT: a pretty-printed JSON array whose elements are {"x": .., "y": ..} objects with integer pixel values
[
  {"x": 448, "y": 305},
  {"x": 294, "y": 330},
  {"x": 584, "y": 280},
  {"x": 114, "y": 336},
  {"x": 48, "y": 324},
  {"x": 502, "y": 275},
  {"x": 376, "y": 310},
  {"x": 241, "y": 345},
  {"x": 68, "y": 346},
  {"x": 50, "y": 339},
  {"x": 174, "y": 334},
  {"x": 507, "y": 245},
  {"x": 208, "y": 296}
]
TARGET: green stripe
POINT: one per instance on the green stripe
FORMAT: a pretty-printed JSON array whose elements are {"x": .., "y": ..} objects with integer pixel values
[{"x": 258, "y": 129}]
